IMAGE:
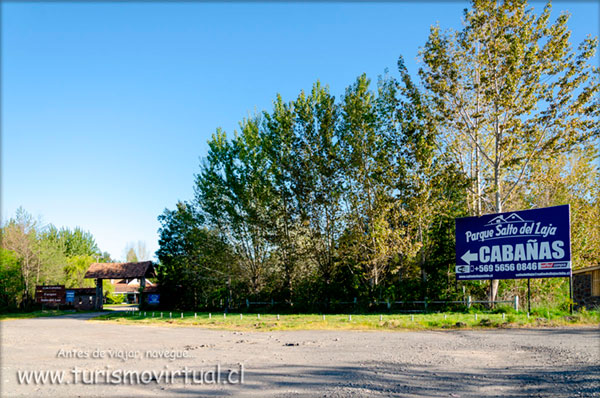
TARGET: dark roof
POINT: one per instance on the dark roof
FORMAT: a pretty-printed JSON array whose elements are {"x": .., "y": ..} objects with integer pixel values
[
  {"x": 120, "y": 270},
  {"x": 586, "y": 269}
]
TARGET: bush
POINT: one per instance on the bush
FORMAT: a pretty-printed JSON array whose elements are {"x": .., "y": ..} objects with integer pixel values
[{"x": 115, "y": 298}]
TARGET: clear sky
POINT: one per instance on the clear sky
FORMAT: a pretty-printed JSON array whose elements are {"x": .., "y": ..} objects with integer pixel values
[{"x": 107, "y": 107}]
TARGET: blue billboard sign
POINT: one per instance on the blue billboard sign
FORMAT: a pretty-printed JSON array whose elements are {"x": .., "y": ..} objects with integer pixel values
[
  {"x": 154, "y": 298},
  {"x": 522, "y": 244},
  {"x": 70, "y": 296}
]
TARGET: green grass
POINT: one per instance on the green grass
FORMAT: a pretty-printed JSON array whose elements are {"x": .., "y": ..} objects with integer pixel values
[
  {"x": 36, "y": 314},
  {"x": 269, "y": 322}
]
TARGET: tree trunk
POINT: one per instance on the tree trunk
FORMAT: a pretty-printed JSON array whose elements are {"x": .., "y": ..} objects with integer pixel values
[{"x": 494, "y": 283}]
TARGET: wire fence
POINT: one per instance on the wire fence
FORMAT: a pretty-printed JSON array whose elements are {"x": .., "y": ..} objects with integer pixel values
[
  {"x": 408, "y": 306},
  {"x": 356, "y": 306}
]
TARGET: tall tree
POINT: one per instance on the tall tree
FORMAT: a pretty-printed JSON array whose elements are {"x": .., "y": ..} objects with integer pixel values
[
  {"x": 137, "y": 251},
  {"x": 11, "y": 280},
  {"x": 281, "y": 146},
  {"x": 76, "y": 242},
  {"x": 510, "y": 91},
  {"x": 373, "y": 213},
  {"x": 195, "y": 263},
  {"x": 233, "y": 193},
  {"x": 319, "y": 181},
  {"x": 19, "y": 235}
]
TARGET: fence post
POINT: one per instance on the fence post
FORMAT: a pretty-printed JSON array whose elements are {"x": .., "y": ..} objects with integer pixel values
[
  {"x": 469, "y": 302},
  {"x": 425, "y": 304},
  {"x": 247, "y": 303},
  {"x": 516, "y": 303}
]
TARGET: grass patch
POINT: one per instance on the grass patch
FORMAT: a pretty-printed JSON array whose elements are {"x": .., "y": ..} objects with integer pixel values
[{"x": 270, "y": 322}]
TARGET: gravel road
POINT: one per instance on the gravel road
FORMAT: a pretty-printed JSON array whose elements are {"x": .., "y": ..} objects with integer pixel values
[{"x": 456, "y": 363}]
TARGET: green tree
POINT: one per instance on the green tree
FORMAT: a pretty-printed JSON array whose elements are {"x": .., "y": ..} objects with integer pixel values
[
  {"x": 75, "y": 269},
  {"x": 318, "y": 187},
  {"x": 137, "y": 251},
  {"x": 374, "y": 238},
  {"x": 73, "y": 243},
  {"x": 11, "y": 280},
  {"x": 280, "y": 144},
  {"x": 509, "y": 91},
  {"x": 196, "y": 265},
  {"x": 233, "y": 194},
  {"x": 19, "y": 235}
]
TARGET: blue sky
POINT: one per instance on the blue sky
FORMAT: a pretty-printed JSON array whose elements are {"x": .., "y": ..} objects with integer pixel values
[{"x": 107, "y": 107}]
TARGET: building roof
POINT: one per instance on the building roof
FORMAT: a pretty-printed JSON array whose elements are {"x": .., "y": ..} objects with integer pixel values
[
  {"x": 143, "y": 269},
  {"x": 586, "y": 269}
]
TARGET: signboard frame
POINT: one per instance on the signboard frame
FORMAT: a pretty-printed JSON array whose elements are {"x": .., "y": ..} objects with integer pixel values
[
  {"x": 523, "y": 244},
  {"x": 153, "y": 298},
  {"x": 50, "y": 294}
]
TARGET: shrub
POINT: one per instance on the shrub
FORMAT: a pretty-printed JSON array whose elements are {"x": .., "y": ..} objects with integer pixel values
[{"x": 114, "y": 298}]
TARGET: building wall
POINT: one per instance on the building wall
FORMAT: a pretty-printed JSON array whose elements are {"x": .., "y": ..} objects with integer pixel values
[
  {"x": 83, "y": 302},
  {"x": 586, "y": 292}
]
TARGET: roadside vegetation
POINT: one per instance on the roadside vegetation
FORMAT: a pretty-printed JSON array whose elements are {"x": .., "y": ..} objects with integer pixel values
[
  {"x": 266, "y": 322},
  {"x": 327, "y": 198}
]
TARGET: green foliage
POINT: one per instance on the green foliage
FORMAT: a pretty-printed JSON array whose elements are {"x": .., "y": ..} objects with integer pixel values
[
  {"x": 115, "y": 298},
  {"x": 323, "y": 200},
  {"x": 72, "y": 243},
  {"x": 33, "y": 254},
  {"x": 195, "y": 264},
  {"x": 11, "y": 281},
  {"x": 131, "y": 256},
  {"x": 75, "y": 271}
]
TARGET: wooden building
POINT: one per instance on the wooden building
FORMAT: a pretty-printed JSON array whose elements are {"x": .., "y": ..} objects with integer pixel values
[
  {"x": 130, "y": 289},
  {"x": 586, "y": 287},
  {"x": 100, "y": 271},
  {"x": 83, "y": 298}
]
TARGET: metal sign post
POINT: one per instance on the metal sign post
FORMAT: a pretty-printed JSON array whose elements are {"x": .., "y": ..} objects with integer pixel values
[
  {"x": 571, "y": 294},
  {"x": 528, "y": 295}
]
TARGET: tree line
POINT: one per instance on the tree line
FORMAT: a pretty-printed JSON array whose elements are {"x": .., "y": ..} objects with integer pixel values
[
  {"x": 32, "y": 253},
  {"x": 325, "y": 199}
]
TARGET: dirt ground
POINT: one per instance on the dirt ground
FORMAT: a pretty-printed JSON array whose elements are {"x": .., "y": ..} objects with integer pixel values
[{"x": 454, "y": 363}]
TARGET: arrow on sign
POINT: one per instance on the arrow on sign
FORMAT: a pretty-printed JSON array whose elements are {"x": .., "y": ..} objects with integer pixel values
[{"x": 468, "y": 257}]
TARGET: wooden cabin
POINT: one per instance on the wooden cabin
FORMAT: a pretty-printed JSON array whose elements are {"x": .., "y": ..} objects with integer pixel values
[{"x": 586, "y": 287}]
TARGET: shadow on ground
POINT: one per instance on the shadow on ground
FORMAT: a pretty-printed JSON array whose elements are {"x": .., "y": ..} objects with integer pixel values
[{"x": 398, "y": 380}]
